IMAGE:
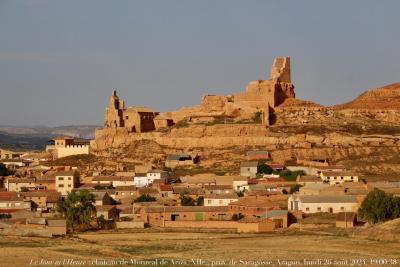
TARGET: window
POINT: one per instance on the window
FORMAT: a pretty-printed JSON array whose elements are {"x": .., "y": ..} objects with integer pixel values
[
  {"x": 209, "y": 201},
  {"x": 341, "y": 177},
  {"x": 61, "y": 178},
  {"x": 351, "y": 177},
  {"x": 341, "y": 208},
  {"x": 69, "y": 185},
  {"x": 319, "y": 208},
  {"x": 60, "y": 185},
  {"x": 307, "y": 209},
  {"x": 69, "y": 178}
]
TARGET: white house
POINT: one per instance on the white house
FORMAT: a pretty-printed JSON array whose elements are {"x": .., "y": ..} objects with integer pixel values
[
  {"x": 240, "y": 184},
  {"x": 325, "y": 203},
  {"x": 156, "y": 175},
  {"x": 334, "y": 177},
  {"x": 66, "y": 181}
]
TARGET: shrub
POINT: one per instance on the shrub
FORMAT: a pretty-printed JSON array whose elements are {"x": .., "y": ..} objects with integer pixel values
[
  {"x": 264, "y": 169},
  {"x": 145, "y": 198},
  {"x": 187, "y": 200}
]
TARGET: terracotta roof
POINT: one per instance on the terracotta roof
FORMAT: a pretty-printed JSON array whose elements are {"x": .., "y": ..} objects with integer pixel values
[
  {"x": 308, "y": 178},
  {"x": 275, "y": 165},
  {"x": 333, "y": 173},
  {"x": 66, "y": 173},
  {"x": 112, "y": 178},
  {"x": 253, "y": 202},
  {"x": 52, "y": 196},
  {"x": 147, "y": 191},
  {"x": 10, "y": 196},
  {"x": 125, "y": 188},
  {"x": 188, "y": 190},
  {"x": 186, "y": 209},
  {"x": 20, "y": 180},
  {"x": 328, "y": 199},
  {"x": 165, "y": 187},
  {"x": 217, "y": 187}
]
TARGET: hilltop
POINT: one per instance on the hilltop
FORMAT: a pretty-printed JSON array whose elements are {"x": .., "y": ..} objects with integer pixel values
[{"x": 386, "y": 97}]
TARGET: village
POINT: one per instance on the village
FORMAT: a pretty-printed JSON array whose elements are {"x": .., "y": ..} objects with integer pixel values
[{"x": 262, "y": 197}]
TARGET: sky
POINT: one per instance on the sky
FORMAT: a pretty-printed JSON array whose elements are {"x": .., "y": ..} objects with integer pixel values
[{"x": 60, "y": 60}]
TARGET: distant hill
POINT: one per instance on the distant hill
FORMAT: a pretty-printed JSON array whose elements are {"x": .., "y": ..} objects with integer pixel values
[
  {"x": 36, "y": 137},
  {"x": 386, "y": 97}
]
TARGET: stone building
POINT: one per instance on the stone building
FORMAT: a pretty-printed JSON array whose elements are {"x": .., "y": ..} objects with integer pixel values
[
  {"x": 135, "y": 119},
  {"x": 64, "y": 146}
]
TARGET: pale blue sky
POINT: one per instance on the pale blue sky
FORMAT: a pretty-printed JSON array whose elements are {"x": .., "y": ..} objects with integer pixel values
[{"x": 60, "y": 60}]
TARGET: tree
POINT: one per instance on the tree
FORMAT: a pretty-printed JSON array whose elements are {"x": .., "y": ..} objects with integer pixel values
[
  {"x": 3, "y": 170},
  {"x": 145, "y": 198},
  {"x": 294, "y": 188},
  {"x": 378, "y": 206},
  {"x": 101, "y": 221},
  {"x": 77, "y": 208},
  {"x": 264, "y": 169},
  {"x": 24, "y": 189},
  {"x": 187, "y": 200},
  {"x": 237, "y": 216},
  {"x": 200, "y": 201}
]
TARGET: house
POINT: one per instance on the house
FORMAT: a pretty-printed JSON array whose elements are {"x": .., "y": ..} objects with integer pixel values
[
  {"x": 14, "y": 163},
  {"x": 279, "y": 216},
  {"x": 240, "y": 184},
  {"x": 42, "y": 200},
  {"x": 102, "y": 198},
  {"x": 346, "y": 220},
  {"x": 126, "y": 193},
  {"x": 333, "y": 177},
  {"x": 109, "y": 212},
  {"x": 199, "y": 179},
  {"x": 8, "y": 154},
  {"x": 45, "y": 183},
  {"x": 113, "y": 180},
  {"x": 149, "y": 191},
  {"x": 165, "y": 190},
  {"x": 257, "y": 155},
  {"x": 323, "y": 203},
  {"x": 16, "y": 184},
  {"x": 175, "y": 160},
  {"x": 251, "y": 206},
  {"x": 160, "y": 215},
  {"x": 308, "y": 179},
  {"x": 255, "y": 225},
  {"x": 218, "y": 189},
  {"x": 66, "y": 181},
  {"x": 13, "y": 201},
  {"x": 220, "y": 200},
  {"x": 249, "y": 168},
  {"x": 157, "y": 175},
  {"x": 161, "y": 121},
  {"x": 141, "y": 180}
]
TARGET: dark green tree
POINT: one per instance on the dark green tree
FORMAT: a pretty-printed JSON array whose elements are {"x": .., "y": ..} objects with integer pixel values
[
  {"x": 294, "y": 188},
  {"x": 377, "y": 207},
  {"x": 200, "y": 201},
  {"x": 77, "y": 208},
  {"x": 187, "y": 200},
  {"x": 145, "y": 198},
  {"x": 237, "y": 216},
  {"x": 264, "y": 169},
  {"x": 3, "y": 170}
]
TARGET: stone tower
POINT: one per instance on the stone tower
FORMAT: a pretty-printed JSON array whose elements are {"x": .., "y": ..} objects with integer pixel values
[{"x": 113, "y": 117}]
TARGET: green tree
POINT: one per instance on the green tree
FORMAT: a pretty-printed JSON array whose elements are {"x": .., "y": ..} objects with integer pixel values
[
  {"x": 187, "y": 200},
  {"x": 237, "y": 216},
  {"x": 77, "y": 208},
  {"x": 3, "y": 170},
  {"x": 200, "y": 201},
  {"x": 377, "y": 207},
  {"x": 101, "y": 221},
  {"x": 145, "y": 198},
  {"x": 264, "y": 169},
  {"x": 294, "y": 188}
]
